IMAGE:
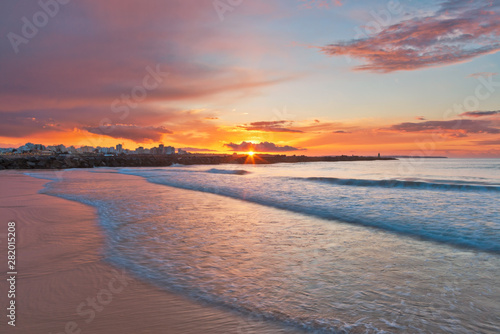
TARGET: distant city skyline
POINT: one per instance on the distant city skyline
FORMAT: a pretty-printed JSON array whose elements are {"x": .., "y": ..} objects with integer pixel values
[{"x": 118, "y": 149}]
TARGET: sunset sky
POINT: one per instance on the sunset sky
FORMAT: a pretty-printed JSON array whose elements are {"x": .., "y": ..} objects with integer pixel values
[{"x": 289, "y": 76}]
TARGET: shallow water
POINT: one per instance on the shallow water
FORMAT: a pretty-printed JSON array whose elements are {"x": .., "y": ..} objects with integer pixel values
[{"x": 345, "y": 256}]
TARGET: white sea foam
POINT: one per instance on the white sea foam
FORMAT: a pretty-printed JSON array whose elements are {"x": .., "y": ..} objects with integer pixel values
[{"x": 442, "y": 211}]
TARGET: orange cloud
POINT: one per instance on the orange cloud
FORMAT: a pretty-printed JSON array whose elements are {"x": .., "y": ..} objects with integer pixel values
[
  {"x": 261, "y": 147},
  {"x": 273, "y": 126}
]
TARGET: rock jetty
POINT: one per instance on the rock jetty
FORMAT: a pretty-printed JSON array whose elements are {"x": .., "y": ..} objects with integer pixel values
[{"x": 64, "y": 161}]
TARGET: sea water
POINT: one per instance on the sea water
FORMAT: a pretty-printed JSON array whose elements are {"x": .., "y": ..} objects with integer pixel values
[{"x": 406, "y": 246}]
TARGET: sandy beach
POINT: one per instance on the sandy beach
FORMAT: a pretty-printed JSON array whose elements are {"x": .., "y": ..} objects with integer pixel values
[{"x": 65, "y": 286}]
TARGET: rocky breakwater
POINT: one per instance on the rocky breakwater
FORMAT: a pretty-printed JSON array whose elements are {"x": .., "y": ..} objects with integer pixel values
[
  {"x": 91, "y": 161},
  {"x": 64, "y": 161}
]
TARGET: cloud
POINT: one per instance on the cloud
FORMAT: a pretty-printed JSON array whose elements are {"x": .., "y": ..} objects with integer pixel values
[
  {"x": 482, "y": 74},
  {"x": 457, "y": 135},
  {"x": 139, "y": 134},
  {"x": 262, "y": 147},
  {"x": 458, "y": 125},
  {"x": 57, "y": 69},
  {"x": 319, "y": 127},
  {"x": 480, "y": 113},
  {"x": 18, "y": 125},
  {"x": 273, "y": 126},
  {"x": 488, "y": 142},
  {"x": 194, "y": 149},
  {"x": 30, "y": 122},
  {"x": 340, "y": 131},
  {"x": 459, "y": 31},
  {"x": 420, "y": 118},
  {"x": 315, "y": 126}
]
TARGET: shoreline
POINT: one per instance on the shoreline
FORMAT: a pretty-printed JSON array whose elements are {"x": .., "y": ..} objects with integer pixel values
[
  {"x": 64, "y": 283},
  {"x": 64, "y": 161}
]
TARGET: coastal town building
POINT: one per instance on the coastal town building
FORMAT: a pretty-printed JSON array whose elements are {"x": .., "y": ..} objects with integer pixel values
[{"x": 39, "y": 149}]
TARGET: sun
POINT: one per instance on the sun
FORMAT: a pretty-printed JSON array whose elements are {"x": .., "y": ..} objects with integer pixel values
[{"x": 251, "y": 153}]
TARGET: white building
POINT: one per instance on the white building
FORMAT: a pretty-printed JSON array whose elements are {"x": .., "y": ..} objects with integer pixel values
[{"x": 170, "y": 150}]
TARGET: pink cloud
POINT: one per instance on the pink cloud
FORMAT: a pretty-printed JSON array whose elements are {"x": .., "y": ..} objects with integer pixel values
[
  {"x": 459, "y": 31},
  {"x": 94, "y": 51}
]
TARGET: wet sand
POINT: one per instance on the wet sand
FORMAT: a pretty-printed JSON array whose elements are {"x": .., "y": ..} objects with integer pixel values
[{"x": 64, "y": 285}]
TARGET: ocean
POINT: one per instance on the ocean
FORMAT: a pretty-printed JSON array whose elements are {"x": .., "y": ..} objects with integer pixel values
[{"x": 406, "y": 246}]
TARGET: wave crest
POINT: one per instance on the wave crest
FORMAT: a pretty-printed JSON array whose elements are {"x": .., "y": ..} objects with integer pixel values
[{"x": 393, "y": 183}]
